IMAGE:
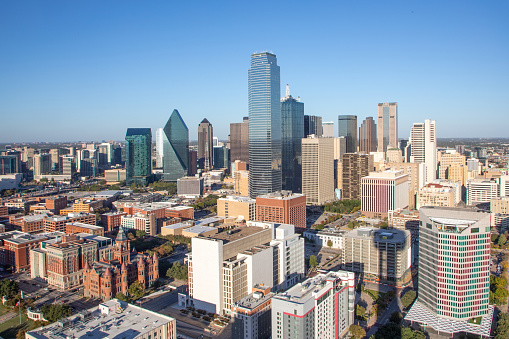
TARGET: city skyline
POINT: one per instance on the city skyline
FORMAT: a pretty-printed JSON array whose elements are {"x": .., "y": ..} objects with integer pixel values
[{"x": 71, "y": 60}]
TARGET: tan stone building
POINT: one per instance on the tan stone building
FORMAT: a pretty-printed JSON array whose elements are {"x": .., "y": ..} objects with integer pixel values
[
  {"x": 433, "y": 194},
  {"x": 318, "y": 169},
  {"x": 238, "y": 207},
  {"x": 241, "y": 182}
]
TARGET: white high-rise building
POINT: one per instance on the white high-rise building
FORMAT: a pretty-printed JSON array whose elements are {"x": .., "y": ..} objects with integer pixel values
[
  {"x": 159, "y": 148},
  {"x": 482, "y": 190},
  {"x": 225, "y": 267},
  {"x": 424, "y": 147},
  {"x": 504, "y": 186},
  {"x": 454, "y": 271}
]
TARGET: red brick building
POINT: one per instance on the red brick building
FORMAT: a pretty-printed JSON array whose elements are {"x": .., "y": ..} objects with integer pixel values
[
  {"x": 57, "y": 223},
  {"x": 282, "y": 207},
  {"x": 111, "y": 221},
  {"x": 183, "y": 212},
  {"x": 29, "y": 223},
  {"x": 15, "y": 249},
  {"x": 105, "y": 279},
  {"x": 55, "y": 204},
  {"x": 4, "y": 211}
]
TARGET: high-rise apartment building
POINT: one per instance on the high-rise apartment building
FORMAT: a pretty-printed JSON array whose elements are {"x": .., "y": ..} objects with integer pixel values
[
  {"x": 320, "y": 307},
  {"x": 378, "y": 255},
  {"x": 424, "y": 147},
  {"x": 239, "y": 140},
  {"x": 138, "y": 154},
  {"x": 367, "y": 136},
  {"x": 328, "y": 129},
  {"x": 318, "y": 169},
  {"x": 225, "y": 267},
  {"x": 264, "y": 125},
  {"x": 382, "y": 192},
  {"x": 347, "y": 127},
  {"x": 159, "y": 147},
  {"x": 42, "y": 164},
  {"x": 175, "y": 148},
  {"x": 454, "y": 271},
  {"x": 292, "y": 129},
  {"x": 387, "y": 125},
  {"x": 282, "y": 207},
  {"x": 205, "y": 155},
  {"x": 354, "y": 167}
]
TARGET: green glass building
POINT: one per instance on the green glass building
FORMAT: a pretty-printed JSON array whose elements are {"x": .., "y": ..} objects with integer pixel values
[
  {"x": 138, "y": 147},
  {"x": 175, "y": 148}
]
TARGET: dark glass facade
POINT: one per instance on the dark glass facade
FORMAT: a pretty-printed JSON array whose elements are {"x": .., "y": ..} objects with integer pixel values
[
  {"x": 292, "y": 129},
  {"x": 221, "y": 157},
  {"x": 367, "y": 136},
  {"x": 312, "y": 125},
  {"x": 347, "y": 127},
  {"x": 205, "y": 133},
  {"x": 264, "y": 124},
  {"x": 239, "y": 141},
  {"x": 138, "y": 153},
  {"x": 175, "y": 148}
]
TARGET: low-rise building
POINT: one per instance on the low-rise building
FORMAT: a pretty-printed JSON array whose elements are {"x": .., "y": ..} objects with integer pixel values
[
  {"x": 319, "y": 307},
  {"x": 80, "y": 227},
  {"x": 482, "y": 190},
  {"x": 434, "y": 194},
  {"x": 175, "y": 229},
  {"x": 326, "y": 237},
  {"x": 282, "y": 207},
  {"x": 111, "y": 221},
  {"x": 190, "y": 187},
  {"x": 195, "y": 231},
  {"x": 58, "y": 223},
  {"x": 405, "y": 220},
  {"x": 15, "y": 249},
  {"x": 238, "y": 207},
  {"x": 141, "y": 222},
  {"x": 111, "y": 319}
]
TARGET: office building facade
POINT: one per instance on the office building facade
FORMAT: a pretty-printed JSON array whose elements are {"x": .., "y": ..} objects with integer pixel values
[
  {"x": 354, "y": 167},
  {"x": 138, "y": 153},
  {"x": 292, "y": 129},
  {"x": 387, "y": 125},
  {"x": 424, "y": 147},
  {"x": 328, "y": 129},
  {"x": 312, "y": 125},
  {"x": 382, "y": 192},
  {"x": 347, "y": 127},
  {"x": 282, "y": 207},
  {"x": 205, "y": 155},
  {"x": 367, "y": 136},
  {"x": 264, "y": 124},
  {"x": 175, "y": 148},
  {"x": 239, "y": 141},
  {"x": 318, "y": 169}
]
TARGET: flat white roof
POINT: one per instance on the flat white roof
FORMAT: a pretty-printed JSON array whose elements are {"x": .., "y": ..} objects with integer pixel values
[{"x": 200, "y": 229}]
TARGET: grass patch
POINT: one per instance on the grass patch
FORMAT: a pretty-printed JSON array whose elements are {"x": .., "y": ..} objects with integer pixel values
[
  {"x": 475, "y": 321},
  {"x": 3, "y": 309},
  {"x": 374, "y": 294},
  {"x": 10, "y": 328}
]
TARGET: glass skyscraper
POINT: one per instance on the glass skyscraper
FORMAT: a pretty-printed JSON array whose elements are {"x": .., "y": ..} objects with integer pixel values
[
  {"x": 175, "y": 148},
  {"x": 138, "y": 154},
  {"x": 264, "y": 124},
  {"x": 387, "y": 125},
  {"x": 292, "y": 130},
  {"x": 347, "y": 127}
]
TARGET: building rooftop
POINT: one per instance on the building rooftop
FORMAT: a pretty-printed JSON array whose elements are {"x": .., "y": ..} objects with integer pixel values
[
  {"x": 387, "y": 174},
  {"x": 25, "y": 238},
  {"x": 178, "y": 225},
  {"x": 236, "y": 234},
  {"x": 281, "y": 195},
  {"x": 81, "y": 224},
  {"x": 392, "y": 235},
  {"x": 34, "y": 217},
  {"x": 180, "y": 208},
  {"x": 199, "y": 229},
  {"x": 253, "y": 300},
  {"x": 238, "y": 198},
  {"x": 111, "y": 319},
  {"x": 152, "y": 206},
  {"x": 207, "y": 221}
]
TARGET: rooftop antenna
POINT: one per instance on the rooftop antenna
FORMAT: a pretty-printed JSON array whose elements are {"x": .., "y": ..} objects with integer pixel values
[{"x": 287, "y": 90}]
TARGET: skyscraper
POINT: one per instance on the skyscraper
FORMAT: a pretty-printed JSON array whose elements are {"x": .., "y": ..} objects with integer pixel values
[
  {"x": 292, "y": 129},
  {"x": 454, "y": 271},
  {"x": 239, "y": 141},
  {"x": 367, "y": 136},
  {"x": 328, "y": 129},
  {"x": 138, "y": 150},
  {"x": 423, "y": 139},
  {"x": 312, "y": 125},
  {"x": 347, "y": 127},
  {"x": 264, "y": 125},
  {"x": 175, "y": 148},
  {"x": 205, "y": 134},
  {"x": 318, "y": 169},
  {"x": 387, "y": 125},
  {"x": 159, "y": 148}
]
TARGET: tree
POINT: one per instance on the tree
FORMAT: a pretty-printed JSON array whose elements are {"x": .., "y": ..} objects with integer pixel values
[
  {"x": 20, "y": 335},
  {"x": 121, "y": 296},
  {"x": 9, "y": 288},
  {"x": 408, "y": 298},
  {"x": 177, "y": 271},
  {"x": 502, "y": 331},
  {"x": 329, "y": 243},
  {"x": 319, "y": 227},
  {"x": 360, "y": 312},
  {"x": 396, "y": 317},
  {"x": 357, "y": 332},
  {"x": 140, "y": 234},
  {"x": 54, "y": 312},
  {"x": 501, "y": 240},
  {"x": 136, "y": 290},
  {"x": 312, "y": 261}
]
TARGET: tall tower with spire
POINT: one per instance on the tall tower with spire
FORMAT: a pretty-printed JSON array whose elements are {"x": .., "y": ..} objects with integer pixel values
[
  {"x": 122, "y": 247},
  {"x": 205, "y": 134}
]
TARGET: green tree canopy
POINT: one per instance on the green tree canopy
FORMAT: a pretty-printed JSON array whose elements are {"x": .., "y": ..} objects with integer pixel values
[
  {"x": 357, "y": 332},
  {"x": 408, "y": 298},
  {"x": 177, "y": 271},
  {"x": 54, "y": 312},
  {"x": 136, "y": 290},
  {"x": 312, "y": 261}
]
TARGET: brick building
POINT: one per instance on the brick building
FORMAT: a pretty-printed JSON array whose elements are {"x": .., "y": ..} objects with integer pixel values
[
  {"x": 55, "y": 204},
  {"x": 282, "y": 207},
  {"x": 79, "y": 227},
  {"x": 111, "y": 220},
  {"x": 15, "y": 249},
  {"x": 57, "y": 223},
  {"x": 105, "y": 279}
]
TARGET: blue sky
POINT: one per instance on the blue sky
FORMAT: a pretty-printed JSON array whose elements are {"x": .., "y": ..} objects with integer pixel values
[{"x": 88, "y": 70}]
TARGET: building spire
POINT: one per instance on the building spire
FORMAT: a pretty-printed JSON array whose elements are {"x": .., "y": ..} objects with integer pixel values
[{"x": 287, "y": 90}]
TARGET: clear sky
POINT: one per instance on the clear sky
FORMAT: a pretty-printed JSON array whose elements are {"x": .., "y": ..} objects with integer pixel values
[{"x": 88, "y": 70}]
